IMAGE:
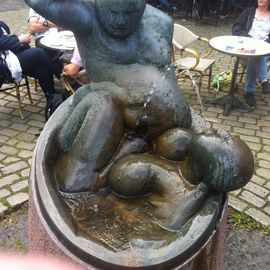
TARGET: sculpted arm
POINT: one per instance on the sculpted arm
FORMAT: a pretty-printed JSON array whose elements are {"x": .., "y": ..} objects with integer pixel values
[{"x": 69, "y": 14}]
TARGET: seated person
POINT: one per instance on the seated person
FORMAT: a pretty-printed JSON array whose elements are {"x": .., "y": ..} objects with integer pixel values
[
  {"x": 75, "y": 64},
  {"x": 40, "y": 27},
  {"x": 255, "y": 22},
  {"x": 34, "y": 61}
]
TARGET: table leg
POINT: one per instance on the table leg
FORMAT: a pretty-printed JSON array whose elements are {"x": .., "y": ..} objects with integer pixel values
[{"x": 229, "y": 101}]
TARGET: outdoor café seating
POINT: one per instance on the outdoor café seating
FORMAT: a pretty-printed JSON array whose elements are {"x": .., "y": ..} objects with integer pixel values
[
  {"x": 199, "y": 64},
  {"x": 11, "y": 88}
]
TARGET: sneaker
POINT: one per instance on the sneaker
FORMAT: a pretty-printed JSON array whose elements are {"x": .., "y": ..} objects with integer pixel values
[
  {"x": 266, "y": 87},
  {"x": 250, "y": 98}
]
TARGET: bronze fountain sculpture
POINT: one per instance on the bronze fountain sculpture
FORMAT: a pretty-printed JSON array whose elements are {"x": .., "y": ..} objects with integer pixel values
[{"x": 121, "y": 174}]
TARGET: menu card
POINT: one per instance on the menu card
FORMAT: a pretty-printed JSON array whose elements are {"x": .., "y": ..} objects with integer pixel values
[{"x": 240, "y": 49}]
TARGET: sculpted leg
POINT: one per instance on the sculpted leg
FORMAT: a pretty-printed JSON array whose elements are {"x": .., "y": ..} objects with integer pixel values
[{"x": 88, "y": 140}]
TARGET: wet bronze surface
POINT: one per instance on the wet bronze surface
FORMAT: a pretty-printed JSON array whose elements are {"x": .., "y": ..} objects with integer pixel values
[{"x": 122, "y": 177}]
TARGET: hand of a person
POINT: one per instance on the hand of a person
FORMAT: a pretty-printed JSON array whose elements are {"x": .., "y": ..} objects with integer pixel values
[
  {"x": 71, "y": 69},
  {"x": 24, "y": 38}
]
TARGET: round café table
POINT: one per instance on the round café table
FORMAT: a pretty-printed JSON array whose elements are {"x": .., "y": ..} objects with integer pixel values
[{"x": 240, "y": 47}]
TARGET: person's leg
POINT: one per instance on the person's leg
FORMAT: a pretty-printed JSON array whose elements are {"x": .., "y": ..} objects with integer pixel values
[
  {"x": 250, "y": 84},
  {"x": 35, "y": 63},
  {"x": 260, "y": 65}
]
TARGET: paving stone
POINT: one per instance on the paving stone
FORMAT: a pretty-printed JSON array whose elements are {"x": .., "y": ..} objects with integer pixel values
[
  {"x": 252, "y": 198},
  {"x": 17, "y": 199},
  {"x": 8, "y": 180},
  {"x": 267, "y": 185},
  {"x": 8, "y": 150},
  {"x": 250, "y": 139},
  {"x": 2, "y": 156},
  {"x": 252, "y": 127},
  {"x": 237, "y": 204},
  {"x": 263, "y": 172},
  {"x": 37, "y": 124},
  {"x": 266, "y": 141},
  {"x": 26, "y": 145},
  {"x": 236, "y": 192},
  {"x": 20, "y": 127},
  {"x": 267, "y": 210},
  {"x": 12, "y": 142},
  {"x": 19, "y": 186},
  {"x": 216, "y": 126},
  {"x": 25, "y": 154},
  {"x": 244, "y": 131},
  {"x": 5, "y": 123},
  {"x": 254, "y": 146},
  {"x": 3, "y": 138},
  {"x": 263, "y": 134},
  {"x": 14, "y": 167},
  {"x": 26, "y": 137},
  {"x": 264, "y": 164},
  {"x": 264, "y": 155},
  {"x": 11, "y": 160},
  {"x": 3, "y": 208},
  {"x": 233, "y": 123},
  {"x": 25, "y": 173},
  {"x": 4, "y": 193},
  {"x": 247, "y": 120},
  {"x": 266, "y": 148},
  {"x": 258, "y": 190},
  {"x": 8, "y": 132},
  {"x": 259, "y": 216}
]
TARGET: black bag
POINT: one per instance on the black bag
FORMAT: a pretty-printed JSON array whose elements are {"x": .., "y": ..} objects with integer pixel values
[{"x": 53, "y": 103}]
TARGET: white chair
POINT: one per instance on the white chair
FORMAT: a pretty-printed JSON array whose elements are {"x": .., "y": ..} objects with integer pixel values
[{"x": 200, "y": 65}]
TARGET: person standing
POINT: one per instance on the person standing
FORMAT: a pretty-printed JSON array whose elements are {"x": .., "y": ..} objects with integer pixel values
[{"x": 255, "y": 22}]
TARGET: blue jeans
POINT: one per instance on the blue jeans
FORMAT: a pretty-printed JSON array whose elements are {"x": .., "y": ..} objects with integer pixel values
[{"x": 256, "y": 69}]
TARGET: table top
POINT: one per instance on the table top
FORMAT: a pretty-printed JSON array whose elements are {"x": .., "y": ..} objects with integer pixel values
[
  {"x": 240, "y": 46},
  {"x": 63, "y": 40}
]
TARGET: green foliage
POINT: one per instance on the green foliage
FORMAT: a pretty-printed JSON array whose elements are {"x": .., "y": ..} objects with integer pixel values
[{"x": 243, "y": 221}]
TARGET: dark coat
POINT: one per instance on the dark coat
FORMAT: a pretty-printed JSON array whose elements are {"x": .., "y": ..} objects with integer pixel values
[
  {"x": 8, "y": 42},
  {"x": 244, "y": 22}
]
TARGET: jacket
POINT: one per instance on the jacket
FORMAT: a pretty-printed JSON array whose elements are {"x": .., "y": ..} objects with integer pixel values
[
  {"x": 244, "y": 22},
  {"x": 8, "y": 42}
]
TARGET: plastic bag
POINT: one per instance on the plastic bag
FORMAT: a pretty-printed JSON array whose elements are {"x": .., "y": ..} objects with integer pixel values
[{"x": 222, "y": 81}]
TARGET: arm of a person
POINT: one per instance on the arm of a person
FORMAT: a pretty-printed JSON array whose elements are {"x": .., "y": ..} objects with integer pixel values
[
  {"x": 68, "y": 14},
  {"x": 239, "y": 28},
  {"x": 37, "y": 25}
]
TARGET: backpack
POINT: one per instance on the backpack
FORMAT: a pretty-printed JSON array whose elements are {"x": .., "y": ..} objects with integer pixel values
[{"x": 53, "y": 103}]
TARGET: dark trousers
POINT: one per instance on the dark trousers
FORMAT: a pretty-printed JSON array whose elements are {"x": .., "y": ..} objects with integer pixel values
[
  {"x": 53, "y": 55},
  {"x": 36, "y": 63}
]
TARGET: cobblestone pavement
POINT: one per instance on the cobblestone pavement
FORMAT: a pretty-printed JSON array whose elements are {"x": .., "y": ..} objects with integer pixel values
[{"x": 18, "y": 137}]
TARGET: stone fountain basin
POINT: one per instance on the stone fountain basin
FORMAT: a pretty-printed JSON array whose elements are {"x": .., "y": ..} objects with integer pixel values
[{"x": 166, "y": 250}]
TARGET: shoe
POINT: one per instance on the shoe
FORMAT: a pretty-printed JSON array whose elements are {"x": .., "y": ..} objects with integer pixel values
[
  {"x": 250, "y": 98},
  {"x": 266, "y": 87}
]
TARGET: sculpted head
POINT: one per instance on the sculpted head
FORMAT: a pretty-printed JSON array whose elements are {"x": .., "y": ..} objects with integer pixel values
[
  {"x": 223, "y": 162},
  {"x": 120, "y": 18}
]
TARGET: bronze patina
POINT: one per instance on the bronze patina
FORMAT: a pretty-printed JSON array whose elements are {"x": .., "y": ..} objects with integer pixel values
[{"x": 121, "y": 173}]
